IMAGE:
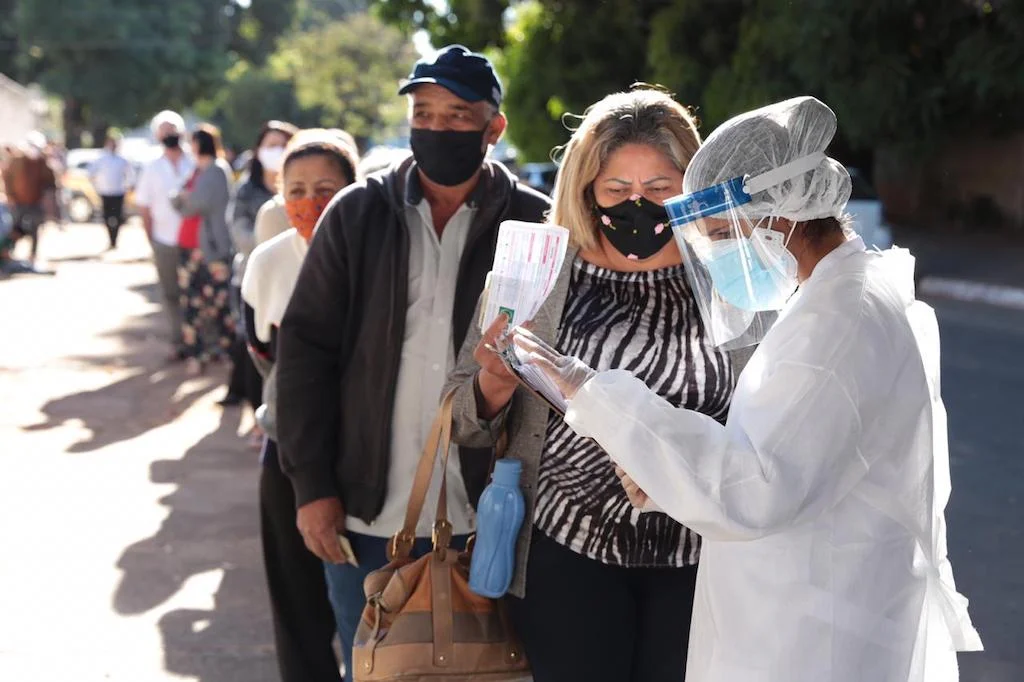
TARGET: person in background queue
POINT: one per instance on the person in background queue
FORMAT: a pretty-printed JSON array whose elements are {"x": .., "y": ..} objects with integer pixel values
[
  {"x": 385, "y": 297},
  {"x": 255, "y": 189},
  {"x": 204, "y": 270},
  {"x": 31, "y": 186},
  {"x": 112, "y": 176},
  {"x": 315, "y": 166},
  {"x": 160, "y": 180}
]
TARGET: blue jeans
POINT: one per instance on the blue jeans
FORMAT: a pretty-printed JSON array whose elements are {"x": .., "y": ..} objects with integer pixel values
[{"x": 345, "y": 583}]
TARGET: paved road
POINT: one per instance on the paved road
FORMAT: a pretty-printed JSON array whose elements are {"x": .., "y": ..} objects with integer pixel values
[
  {"x": 983, "y": 386},
  {"x": 128, "y": 523},
  {"x": 127, "y": 501}
]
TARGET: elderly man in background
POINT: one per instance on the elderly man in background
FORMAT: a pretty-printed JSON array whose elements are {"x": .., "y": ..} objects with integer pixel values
[{"x": 160, "y": 179}]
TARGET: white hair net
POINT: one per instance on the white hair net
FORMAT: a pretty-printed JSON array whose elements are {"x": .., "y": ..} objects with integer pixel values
[
  {"x": 764, "y": 139},
  {"x": 167, "y": 116}
]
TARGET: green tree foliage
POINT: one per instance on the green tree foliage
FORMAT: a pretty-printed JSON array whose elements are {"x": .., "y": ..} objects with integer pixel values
[
  {"x": 8, "y": 38},
  {"x": 349, "y": 71},
  {"x": 119, "y": 61},
  {"x": 897, "y": 72},
  {"x": 690, "y": 47},
  {"x": 313, "y": 13},
  {"x": 552, "y": 70},
  {"x": 251, "y": 96},
  {"x": 257, "y": 28},
  {"x": 478, "y": 24}
]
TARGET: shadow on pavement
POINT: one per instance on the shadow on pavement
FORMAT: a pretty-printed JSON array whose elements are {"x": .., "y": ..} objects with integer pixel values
[
  {"x": 84, "y": 258},
  {"x": 124, "y": 410},
  {"x": 154, "y": 393},
  {"x": 210, "y": 534}
]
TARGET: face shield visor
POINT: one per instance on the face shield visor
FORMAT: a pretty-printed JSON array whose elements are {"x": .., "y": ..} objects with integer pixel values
[{"x": 737, "y": 263}]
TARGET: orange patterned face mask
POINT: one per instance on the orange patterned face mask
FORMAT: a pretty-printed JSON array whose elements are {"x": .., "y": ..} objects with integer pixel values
[{"x": 303, "y": 214}]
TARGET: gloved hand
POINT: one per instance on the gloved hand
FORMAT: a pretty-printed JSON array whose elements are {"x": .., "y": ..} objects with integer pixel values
[{"x": 566, "y": 372}]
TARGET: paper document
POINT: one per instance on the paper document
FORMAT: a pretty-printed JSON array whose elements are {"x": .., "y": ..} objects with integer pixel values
[
  {"x": 527, "y": 260},
  {"x": 533, "y": 378}
]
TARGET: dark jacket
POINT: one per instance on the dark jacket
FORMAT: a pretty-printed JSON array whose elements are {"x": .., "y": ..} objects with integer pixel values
[
  {"x": 340, "y": 342},
  {"x": 246, "y": 203}
]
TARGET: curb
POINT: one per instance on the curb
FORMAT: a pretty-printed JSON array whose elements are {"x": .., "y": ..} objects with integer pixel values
[{"x": 973, "y": 292}]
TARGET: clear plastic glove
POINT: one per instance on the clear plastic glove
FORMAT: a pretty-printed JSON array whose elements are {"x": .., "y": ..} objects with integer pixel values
[{"x": 566, "y": 372}]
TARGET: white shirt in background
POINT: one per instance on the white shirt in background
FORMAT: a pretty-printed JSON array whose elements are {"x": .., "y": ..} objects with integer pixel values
[
  {"x": 270, "y": 279},
  {"x": 160, "y": 179},
  {"x": 111, "y": 174}
]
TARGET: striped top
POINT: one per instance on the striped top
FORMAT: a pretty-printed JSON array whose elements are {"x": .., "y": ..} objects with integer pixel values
[{"x": 646, "y": 323}]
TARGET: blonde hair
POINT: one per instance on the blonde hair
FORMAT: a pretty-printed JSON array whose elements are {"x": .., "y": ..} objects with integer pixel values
[{"x": 640, "y": 116}]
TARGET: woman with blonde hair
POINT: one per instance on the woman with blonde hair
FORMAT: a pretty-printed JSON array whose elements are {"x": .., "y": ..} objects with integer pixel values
[{"x": 602, "y": 592}]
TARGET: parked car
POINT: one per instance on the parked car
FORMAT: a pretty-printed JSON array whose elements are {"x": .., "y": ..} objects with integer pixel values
[
  {"x": 866, "y": 209},
  {"x": 80, "y": 200},
  {"x": 540, "y": 176}
]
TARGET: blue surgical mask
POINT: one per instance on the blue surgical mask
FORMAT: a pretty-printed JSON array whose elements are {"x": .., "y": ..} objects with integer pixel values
[{"x": 743, "y": 279}]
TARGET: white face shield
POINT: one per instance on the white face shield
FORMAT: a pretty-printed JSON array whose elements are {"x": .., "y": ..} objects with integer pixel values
[{"x": 746, "y": 178}]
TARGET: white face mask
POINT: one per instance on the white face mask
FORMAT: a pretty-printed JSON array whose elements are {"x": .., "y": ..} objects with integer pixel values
[{"x": 271, "y": 158}]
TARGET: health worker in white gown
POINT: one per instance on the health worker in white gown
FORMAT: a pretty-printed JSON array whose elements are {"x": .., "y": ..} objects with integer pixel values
[{"x": 821, "y": 500}]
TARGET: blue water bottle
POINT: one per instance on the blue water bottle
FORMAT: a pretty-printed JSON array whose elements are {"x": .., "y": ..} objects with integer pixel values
[{"x": 499, "y": 516}]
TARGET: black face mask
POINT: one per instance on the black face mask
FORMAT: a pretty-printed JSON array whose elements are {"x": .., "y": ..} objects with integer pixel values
[
  {"x": 636, "y": 227},
  {"x": 171, "y": 141},
  {"x": 448, "y": 157}
]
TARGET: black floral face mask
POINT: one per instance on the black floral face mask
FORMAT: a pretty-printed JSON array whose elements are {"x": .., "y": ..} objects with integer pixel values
[{"x": 636, "y": 227}]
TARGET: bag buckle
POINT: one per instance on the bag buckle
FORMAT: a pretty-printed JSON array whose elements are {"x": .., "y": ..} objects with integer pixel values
[
  {"x": 442, "y": 536},
  {"x": 401, "y": 545}
]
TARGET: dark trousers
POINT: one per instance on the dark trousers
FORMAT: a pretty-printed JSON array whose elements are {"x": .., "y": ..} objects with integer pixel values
[
  {"x": 585, "y": 620},
  {"x": 245, "y": 380},
  {"x": 345, "y": 582},
  {"x": 113, "y": 215},
  {"x": 28, "y": 222},
  {"x": 303, "y": 621}
]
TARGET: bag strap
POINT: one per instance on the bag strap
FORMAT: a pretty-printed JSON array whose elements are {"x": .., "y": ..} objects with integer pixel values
[
  {"x": 499, "y": 453},
  {"x": 401, "y": 544}
]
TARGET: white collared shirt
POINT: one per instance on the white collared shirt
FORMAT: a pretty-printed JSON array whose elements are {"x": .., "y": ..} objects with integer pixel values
[
  {"x": 111, "y": 174},
  {"x": 160, "y": 179},
  {"x": 427, "y": 355}
]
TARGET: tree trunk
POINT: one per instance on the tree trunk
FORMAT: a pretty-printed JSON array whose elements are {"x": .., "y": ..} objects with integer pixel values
[
  {"x": 99, "y": 133},
  {"x": 74, "y": 124}
]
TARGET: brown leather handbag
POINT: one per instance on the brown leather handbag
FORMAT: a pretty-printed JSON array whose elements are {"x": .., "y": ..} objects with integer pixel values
[{"x": 421, "y": 622}]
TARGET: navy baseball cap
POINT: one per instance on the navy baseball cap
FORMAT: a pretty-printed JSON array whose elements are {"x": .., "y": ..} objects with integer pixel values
[{"x": 469, "y": 75}]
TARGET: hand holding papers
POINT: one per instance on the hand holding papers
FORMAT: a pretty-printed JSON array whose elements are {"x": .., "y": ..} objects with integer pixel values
[
  {"x": 527, "y": 260},
  {"x": 551, "y": 376}
]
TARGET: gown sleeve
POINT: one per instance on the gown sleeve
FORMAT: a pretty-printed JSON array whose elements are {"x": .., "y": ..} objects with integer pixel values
[{"x": 789, "y": 452}]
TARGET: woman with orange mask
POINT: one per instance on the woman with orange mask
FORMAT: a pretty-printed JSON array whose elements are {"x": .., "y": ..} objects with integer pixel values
[{"x": 317, "y": 164}]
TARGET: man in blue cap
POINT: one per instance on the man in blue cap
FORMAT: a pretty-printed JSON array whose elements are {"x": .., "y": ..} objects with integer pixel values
[{"x": 384, "y": 300}]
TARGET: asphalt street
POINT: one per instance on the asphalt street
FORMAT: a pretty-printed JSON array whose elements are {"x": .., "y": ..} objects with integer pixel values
[
  {"x": 128, "y": 522},
  {"x": 983, "y": 386}
]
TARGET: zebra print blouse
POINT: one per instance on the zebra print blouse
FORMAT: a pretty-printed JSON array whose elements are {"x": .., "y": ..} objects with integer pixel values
[{"x": 647, "y": 323}]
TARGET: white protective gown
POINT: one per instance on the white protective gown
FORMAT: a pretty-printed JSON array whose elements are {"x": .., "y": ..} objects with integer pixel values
[{"x": 821, "y": 501}]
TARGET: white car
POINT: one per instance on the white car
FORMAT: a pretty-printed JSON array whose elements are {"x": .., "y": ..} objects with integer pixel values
[{"x": 866, "y": 209}]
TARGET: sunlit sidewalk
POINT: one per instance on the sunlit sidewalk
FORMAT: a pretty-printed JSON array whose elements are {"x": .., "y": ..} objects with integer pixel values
[{"x": 128, "y": 510}]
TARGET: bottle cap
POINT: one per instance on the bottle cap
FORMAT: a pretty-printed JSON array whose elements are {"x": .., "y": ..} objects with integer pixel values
[{"x": 507, "y": 471}]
